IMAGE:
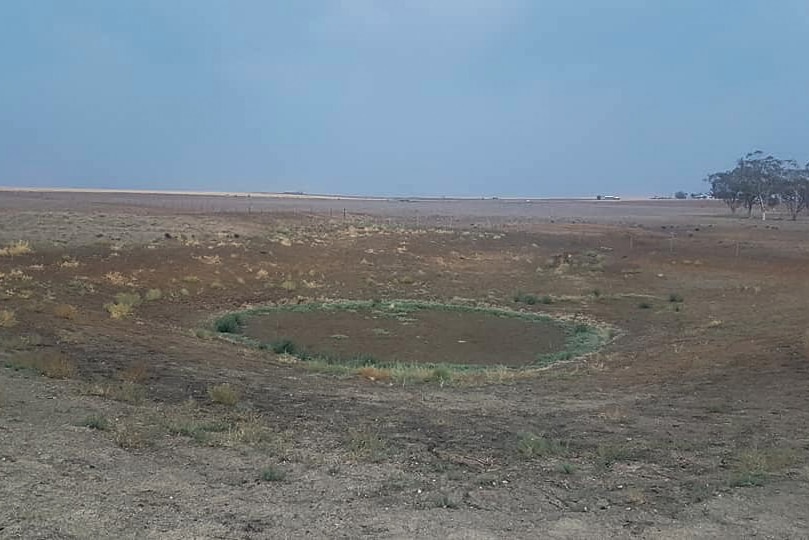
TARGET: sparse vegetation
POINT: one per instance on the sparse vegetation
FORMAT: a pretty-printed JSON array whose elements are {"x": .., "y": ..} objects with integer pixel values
[
  {"x": 675, "y": 298},
  {"x": 224, "y": 394},
  {"x": 126, "y": 391},
  {"x": 753, "y": 466},
  {"x": 533, "y": 446},
  {"x": 644, "y": 305},
  {"x": 366, "y": 444}
]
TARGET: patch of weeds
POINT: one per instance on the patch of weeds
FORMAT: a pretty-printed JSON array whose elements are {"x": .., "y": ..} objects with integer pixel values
[
  {"x": 273, "y": 473},
  {"x": 366, "y": 444},
  {"x": 152, "y": 295},
  {"x": 380, "y": 332},
  {"x": 224, "y": 394},
  {"x": 95, "y": 422},
  {"x": 7, "y": 318},
  {"x": 532, "y": 446},
  {"x": 645, "y": 305},
  {"x": 199, "y": 431},
  {"x": 753, "y": 466},
  {"x": 525, "y": 298},
  {"x": 232, "y": 323},
  {"x": 284, "y": 346},
  {"x": 546, "y": 299},
  {"x": 441, "y": 374},
  {"x": 675, "y": 298},
  {"x": 596, "y": 293},
  {"x": 191, "y": 279}
]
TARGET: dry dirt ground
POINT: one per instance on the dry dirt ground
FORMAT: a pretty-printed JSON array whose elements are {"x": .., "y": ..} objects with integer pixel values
[{"x": 691, "y": 423}]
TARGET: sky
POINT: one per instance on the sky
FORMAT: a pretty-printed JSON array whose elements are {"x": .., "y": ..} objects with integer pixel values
[{"x": 540, "y": 98}]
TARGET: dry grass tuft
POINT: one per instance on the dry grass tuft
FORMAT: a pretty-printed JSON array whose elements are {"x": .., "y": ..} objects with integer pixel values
[
  {"x": 224, "y": 394},
  {"x": 136, "y": 373},
  {"x": 53, "y": 364},
  {"x": 153, "y": 294},
  {"x": 116, "y": 278},
  {"x": 7, "y": 318},
  {"x": 123, "y": 305},
  {"x": 130, "y": 435},
  {"x": 127, "y": 392},
  {"x": 66, "y": 311},
  {"x": 20, "y": 247},
  {"x": 118, "y": 311},
  {"x": 374, "y": 374}
]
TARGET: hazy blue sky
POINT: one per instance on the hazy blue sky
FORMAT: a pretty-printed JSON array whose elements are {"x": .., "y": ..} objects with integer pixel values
[{"x": 435, "y": 97}]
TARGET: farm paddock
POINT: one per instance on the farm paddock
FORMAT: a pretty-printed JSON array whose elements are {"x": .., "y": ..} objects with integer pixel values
[{"x": 126, "y": 412}]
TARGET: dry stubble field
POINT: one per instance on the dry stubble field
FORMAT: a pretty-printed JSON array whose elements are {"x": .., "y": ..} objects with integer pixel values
[{"x": 123, "y": 414}]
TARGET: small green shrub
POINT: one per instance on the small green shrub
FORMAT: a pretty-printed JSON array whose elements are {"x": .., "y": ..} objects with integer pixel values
[
  {"x": 675, "y": 298},
  {"x": 645, "y": 305},
  {"x": 546, "y": 299},
  {"x": 283, "y": 346},
  {"x": 232, "y": 323},
  {"x": 95, "y": 422},
  {"x": 153, "y": 294},
  {"x": 523, "y": 298}
]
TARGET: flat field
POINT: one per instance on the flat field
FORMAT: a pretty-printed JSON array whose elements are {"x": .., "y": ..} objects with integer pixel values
[{"x": 590, "y": 370}]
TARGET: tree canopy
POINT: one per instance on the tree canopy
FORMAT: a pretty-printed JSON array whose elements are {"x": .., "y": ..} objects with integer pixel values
[{"x": 763, "y": 181}]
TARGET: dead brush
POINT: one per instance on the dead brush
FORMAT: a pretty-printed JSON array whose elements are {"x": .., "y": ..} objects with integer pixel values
[
  {"x": 65, "y": 311},
  {"x": 20, "y": 247},
  {"x": 374, "y": 374},
  {"x": 7, "y": 318}
]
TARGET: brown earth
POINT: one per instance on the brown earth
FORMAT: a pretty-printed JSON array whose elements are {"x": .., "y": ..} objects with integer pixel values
[
  {"x": 420, "y": 337},
  {"x": 692, "y": 423}
]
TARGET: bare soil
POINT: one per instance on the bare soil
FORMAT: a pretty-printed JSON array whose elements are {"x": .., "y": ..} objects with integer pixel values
[{"x": 692, "y": 423}]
